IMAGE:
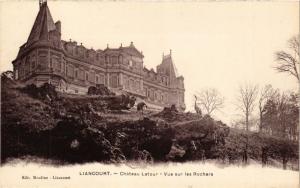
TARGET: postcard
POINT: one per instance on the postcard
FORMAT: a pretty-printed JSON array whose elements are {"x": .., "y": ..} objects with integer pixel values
[{"x": 183, "y": 94}]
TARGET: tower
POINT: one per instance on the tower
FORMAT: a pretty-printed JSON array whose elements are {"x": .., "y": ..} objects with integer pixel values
[{"x": 40, "y": 59}]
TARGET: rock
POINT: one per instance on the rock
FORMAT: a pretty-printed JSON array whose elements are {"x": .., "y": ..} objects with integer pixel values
[
  {"x": 176, "y": 152},
  {"x": 74, "y": 144},
  {"x": 121, "y": 102},
  {"x": 100, "y": 89},
  {"x": 45, "y": 92}
]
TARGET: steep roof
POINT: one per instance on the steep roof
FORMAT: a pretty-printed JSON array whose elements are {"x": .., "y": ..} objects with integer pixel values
[
  {"x": 43, "y": 24},
  {"x": 167, "y": 59}
]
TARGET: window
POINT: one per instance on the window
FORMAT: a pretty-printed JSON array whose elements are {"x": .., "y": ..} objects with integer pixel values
[
  {"x": 114, "y": 60},
  {"x": 152, "y": 95},
  {"x": 70, "y": 71},
  {"x": 16, "y": 74},
  {"x": 131, "y": 84},
  {"x": 127, "y": 84},
  {"x": 86, "y": 76},
  {"x": 97, "y": 79},
  {"x": 76, "y": 73},
  {"x": 114, "y": 81},
  {"x": 92, "y": 77},
  {"x": 81, "y": 74},
  {"x": 120, "y": 59},
  {"x": 102, "y": 79},
  {"x": 137, "y": 85},
  {"x": 32, "y": 64}
]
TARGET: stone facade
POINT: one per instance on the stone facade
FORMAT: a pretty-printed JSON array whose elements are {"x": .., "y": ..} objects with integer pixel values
[{"x": 72, "y": 68}]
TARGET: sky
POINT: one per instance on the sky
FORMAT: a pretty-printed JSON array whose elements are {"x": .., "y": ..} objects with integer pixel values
[{"x": 214, "y": 44}]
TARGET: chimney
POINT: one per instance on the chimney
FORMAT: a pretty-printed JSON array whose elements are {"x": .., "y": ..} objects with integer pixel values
[
  {"x": 170, "y": 52},
  {"x": 58, "y": 26}
]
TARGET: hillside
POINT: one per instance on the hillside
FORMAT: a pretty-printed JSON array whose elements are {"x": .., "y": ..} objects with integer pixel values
[{"x": 42, "y": 123}]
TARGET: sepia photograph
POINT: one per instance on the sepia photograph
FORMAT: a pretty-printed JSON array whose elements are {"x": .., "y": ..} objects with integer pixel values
[{"x": 149, "y": 93}]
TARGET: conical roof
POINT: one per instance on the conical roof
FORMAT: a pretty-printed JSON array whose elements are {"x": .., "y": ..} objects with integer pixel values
[{"x": 43, "y": 24}]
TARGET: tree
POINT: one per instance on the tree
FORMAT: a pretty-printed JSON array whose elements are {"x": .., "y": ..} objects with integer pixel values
[
  {"x": 209, "y": 100},
  {"x": 288, "y": 61},
  {"x": 246, "y": 101},
  {"x": 280, "y": 116},
  {"x": 265, "y": 94}
]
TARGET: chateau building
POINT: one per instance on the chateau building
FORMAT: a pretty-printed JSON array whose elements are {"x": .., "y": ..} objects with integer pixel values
[{"x": 72, "y": 68}]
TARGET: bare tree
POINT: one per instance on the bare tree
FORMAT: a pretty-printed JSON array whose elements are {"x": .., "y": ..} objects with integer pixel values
[
  {"x": 210, "y": 100},
  {"x": 288, "y": 62},
  {"x": 265, "y": 94},
  {"x": 246, "y": 101}
]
